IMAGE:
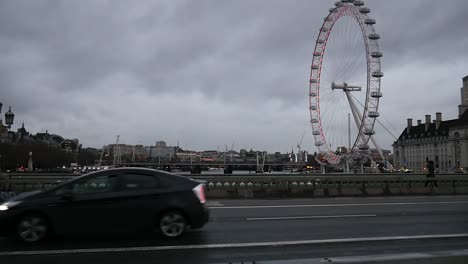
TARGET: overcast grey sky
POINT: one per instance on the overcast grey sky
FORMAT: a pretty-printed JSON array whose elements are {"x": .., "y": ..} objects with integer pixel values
[{"x": 210, "y": 72}]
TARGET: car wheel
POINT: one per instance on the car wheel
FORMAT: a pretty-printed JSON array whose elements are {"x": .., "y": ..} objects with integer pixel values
[
  {"x": 32, "y": 228},
  {"x": 172, "y": 224}
]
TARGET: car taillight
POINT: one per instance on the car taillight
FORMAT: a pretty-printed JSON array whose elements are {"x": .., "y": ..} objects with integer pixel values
[{"x": 199, "y": 191}]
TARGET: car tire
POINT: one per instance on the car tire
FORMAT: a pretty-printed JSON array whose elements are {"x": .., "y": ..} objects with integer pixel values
[
  {"x": 32, "y": 228},
  {"x": 172, "y": 224}
]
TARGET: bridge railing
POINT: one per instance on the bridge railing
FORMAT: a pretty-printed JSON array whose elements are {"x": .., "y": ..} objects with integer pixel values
[
  {"x": 335, "y": 185},
  {"x": 22, "y": 182},
  {"x": 255, "y": 185}
]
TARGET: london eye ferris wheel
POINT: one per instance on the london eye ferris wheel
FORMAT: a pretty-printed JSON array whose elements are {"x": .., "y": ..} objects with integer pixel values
[{"x": 345, "y": 81}]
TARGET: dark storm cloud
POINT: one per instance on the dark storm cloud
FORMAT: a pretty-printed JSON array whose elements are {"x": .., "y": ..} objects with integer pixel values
[
  {"x": 91, "y": 69},
  {"x": 421, "y": 30}
]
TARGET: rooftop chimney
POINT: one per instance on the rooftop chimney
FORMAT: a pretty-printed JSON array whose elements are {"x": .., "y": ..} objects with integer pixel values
[
  {"x": 438, "y": 119},
  {"x": 409, "y": 126},
  {"x": 464, "y": 97},
  {"x": 419, "y": 122},
  {"x": 428, "y": 121}
]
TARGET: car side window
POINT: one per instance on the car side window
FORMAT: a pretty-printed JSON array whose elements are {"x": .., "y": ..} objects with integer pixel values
[
  {"x": 98, "y": 184},
  {"x": 137, "y": 181}
]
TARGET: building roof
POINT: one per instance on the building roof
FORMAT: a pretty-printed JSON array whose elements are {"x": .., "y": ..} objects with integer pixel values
[
  {"x": 22, "y": 130},
  {"x": 419, "y": 131}
]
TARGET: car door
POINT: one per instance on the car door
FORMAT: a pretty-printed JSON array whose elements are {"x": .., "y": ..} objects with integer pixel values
[
  {"x": 86, "y": 206},
  {"x": 140, "y": 200}
]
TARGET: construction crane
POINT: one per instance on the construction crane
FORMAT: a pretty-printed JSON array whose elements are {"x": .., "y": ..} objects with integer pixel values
[
  {"x": 299, "y": 146},
  {"x": 226, "y": 151},
  {"x": 102, "y": 155},
  {"x": 232, "y": 151},
  {"x": 299, "y": 154},
  {"x": 116, "y": 152}
]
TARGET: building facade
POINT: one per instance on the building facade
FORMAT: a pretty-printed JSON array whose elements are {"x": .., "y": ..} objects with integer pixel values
[
  {"x": 162, "y": 151},
  {"x": 444, "y": 142},
  {"x": 375, "y": 155}
]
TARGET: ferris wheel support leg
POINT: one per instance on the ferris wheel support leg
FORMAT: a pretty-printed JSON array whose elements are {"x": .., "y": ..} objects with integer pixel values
[
  {"x": 356, "y": 117},
  {"x": 354, "y": 109},
  {"x": 356, "y": 114},
  {"x": 378, "y": 148}
]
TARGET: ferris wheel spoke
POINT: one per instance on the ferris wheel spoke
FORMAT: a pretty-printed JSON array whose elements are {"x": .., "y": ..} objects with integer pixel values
[
  {"x": 353, "y": 63},
  {"x": 351, "y": 54},
  {"x": 344, "y": 47}
]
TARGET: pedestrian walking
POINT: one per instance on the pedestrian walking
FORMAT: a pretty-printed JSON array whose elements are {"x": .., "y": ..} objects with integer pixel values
[{"x": 430, "y": 174}]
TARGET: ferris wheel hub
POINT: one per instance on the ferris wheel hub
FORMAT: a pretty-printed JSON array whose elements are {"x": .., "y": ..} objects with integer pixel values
[{"x": 346, "y": 87}]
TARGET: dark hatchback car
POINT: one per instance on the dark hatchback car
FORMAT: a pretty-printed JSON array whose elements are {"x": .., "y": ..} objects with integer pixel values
[{"x": 112, "y": 201}]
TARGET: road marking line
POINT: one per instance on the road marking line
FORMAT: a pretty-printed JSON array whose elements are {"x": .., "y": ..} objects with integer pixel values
[
  {"x": 229, "y": 245},
  {"x": 306, "y": 217},
  {"x": 373, "y": 258},
  {"x": 214, "y": 204},
  {"x": 332, "y": 205},
  {"x": 401, "y": 256}
]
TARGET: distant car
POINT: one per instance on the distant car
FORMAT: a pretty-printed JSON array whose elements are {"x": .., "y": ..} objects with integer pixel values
[
  {"x": 57, "y": 170},
  {"x": 111, "y": 201},
  {"x": 402, "y": 170}
]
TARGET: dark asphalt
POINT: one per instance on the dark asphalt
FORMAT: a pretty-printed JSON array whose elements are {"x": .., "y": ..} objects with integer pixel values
[{"x": 250, "y": 221}]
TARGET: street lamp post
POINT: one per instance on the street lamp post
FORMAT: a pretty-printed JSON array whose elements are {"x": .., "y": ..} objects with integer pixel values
[{"x": 9, "y": 118}]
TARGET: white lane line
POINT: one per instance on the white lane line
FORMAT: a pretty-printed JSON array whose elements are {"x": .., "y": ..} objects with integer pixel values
[
  {"x": 374, "y": 258},
  {"x": 333, "y": 205},
  {"x": 401, "y": 256},
  {"x": 307, "y": 217},
  {"x": 229, "y": 245},
  {"x": 214, "y": 204}
]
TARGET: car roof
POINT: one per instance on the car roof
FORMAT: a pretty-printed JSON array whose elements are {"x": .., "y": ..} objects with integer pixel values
[
  {"x": 169, "y": 175},
  {"x": 136, "y": 169},
  {"x": 128, "y": 169}
]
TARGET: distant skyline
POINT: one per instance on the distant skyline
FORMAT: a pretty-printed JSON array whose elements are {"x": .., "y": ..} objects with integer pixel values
[{"x": 211, "y": 72}]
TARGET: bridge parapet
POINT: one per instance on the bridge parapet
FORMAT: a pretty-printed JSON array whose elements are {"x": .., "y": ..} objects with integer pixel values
[
  {"x": 292, "y": 185},
  {"x": 333, "y": 185}
]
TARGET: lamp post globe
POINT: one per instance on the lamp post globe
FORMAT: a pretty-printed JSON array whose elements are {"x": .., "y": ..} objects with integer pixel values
[{"x": 9, "y": 118}]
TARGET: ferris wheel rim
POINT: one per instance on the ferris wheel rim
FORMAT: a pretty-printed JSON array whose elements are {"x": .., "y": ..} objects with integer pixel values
[{"x": 355, "y": 10}]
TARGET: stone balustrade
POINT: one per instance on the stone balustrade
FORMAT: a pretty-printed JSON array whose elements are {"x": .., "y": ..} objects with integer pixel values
[{"x": 287, "y": 185}]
